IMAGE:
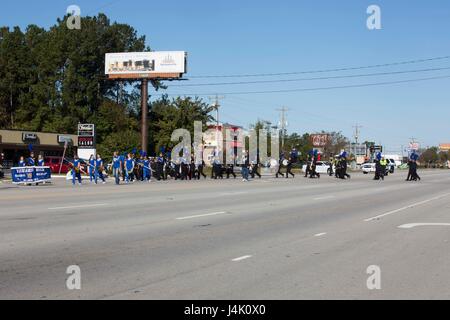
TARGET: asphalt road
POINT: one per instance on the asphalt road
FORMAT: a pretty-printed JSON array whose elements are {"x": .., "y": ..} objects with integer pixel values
[{"x": 264, "y": 239}]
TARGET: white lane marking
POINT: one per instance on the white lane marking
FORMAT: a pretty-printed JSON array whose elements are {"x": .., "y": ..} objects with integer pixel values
[
  {"x": 80, "y": 206},
  {"x": 202, "y": 215},
  {"x": 413, "y": 225},
  {"x": 320, "y": 234},
  {"x": 241, "y": 258},
  {"x": 325, "y": 198},
  {"x": 407, "y": 207},
  {"x": 234, "y": 193}
]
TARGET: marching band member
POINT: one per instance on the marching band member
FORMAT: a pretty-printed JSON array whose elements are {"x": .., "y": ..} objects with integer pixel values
[
  {"x": 255, "y": 167},
  {"x": 412, "y": 164},
  {"x": 245, "y": 165},
  {"x": 91, "y": 169},
  {"x": 22, "y": 162},
  {"x": 30, "y": 160},
  {"x": 343, "y": 166},
  {"x": 200, "y": 166},
  {"x": 192, "y": 170},
  {"x": 289, "y": 169},
  {"x": 129, "y": 167},
  {"x": 99, "y": 167},
  {"x": 280, "y": 163},
  {"x": 41, "y": 161},
  {"x": 76, "y": 170},
  {"x": 160, "y": 167},
  {"x": 146, "y": 170},
  {"x": 117, "y": 167}
]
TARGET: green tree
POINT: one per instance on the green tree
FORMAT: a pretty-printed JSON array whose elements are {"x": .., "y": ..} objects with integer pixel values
[{"x": 180, "y": 113}]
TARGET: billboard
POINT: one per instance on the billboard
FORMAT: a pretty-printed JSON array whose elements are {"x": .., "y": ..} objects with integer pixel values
[
  {"x": 319, "y": 140},
  {"x": 161, "y": 64}
]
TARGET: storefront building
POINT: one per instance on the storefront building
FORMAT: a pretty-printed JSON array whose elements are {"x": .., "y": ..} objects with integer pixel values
[{"x": 17, "y": 143}]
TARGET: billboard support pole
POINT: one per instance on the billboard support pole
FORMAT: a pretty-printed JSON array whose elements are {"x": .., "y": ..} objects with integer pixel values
[{"x": 144, "y": 119}]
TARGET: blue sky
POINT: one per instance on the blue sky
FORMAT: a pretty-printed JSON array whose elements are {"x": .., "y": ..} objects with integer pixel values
[{"x": 252, "y": 37}]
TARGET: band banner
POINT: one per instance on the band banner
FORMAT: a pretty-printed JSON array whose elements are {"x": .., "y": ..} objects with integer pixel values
[
  {"x": 43, "y": 174},
  {"x": 30, "y": 175}
]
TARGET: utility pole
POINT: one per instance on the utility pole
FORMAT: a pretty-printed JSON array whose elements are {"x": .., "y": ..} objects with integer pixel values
[
  {"x": 216, "y": 105},
  {"x": 356, "y": 136},
  {"x": 283, "y": 124}
]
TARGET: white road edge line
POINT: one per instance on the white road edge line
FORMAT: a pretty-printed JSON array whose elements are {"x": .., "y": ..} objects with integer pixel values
[
  {"x": 241, "y": 258},
  {"x": 202, "y": 215},
  {"x": 320, "y": 234},
  {"x": 325, "y": 198},
  {"x": 413, "y": 225},
  {"x": 407, "y": 207},
  {"x": 80, "y": 206},
  {"x": 233, "y": 193}
]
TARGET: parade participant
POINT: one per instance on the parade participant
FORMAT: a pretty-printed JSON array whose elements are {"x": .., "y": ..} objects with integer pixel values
[
  {"x": 245, "y": 166},
  {"x": 308, "y": 163},
  {"x": 289, "y": 169},
  {"x": 255, "y": 167},
  {"x": 140, "y": 167},
  {"x": 383, "y": 164},
  {"x": 30, "y": 161},
  {"x": 99, "y": 167},
  {"x": 332, "y": 164},
  {"x": 22, "y": 162},
  {"x": 230, "y": 171},
  {"x": 217, "y": 169},
  {"x": 160, "y": 161},
  {"x": 91, "y": 169},
  {"x": 294, "y": 155},
  {"x": 146, "y": 170},
  {"x": 177, "y": 170},
  {"x": 41, "y": 161},
  {"x": 412, "y": 164},
  {"x": 200, "y": 168},
  {"x": 343, "y": 165},
  {"x": 117, "y": 167},
  {"x": 193, "y": 172},
  {"x": 312, "y": 172},
  {"x": 184, "y": 169},
  {"x": 76, "y": 170},
  {"x": 378, "y": 172},
  {"x": 414, "y": 175},
  {"x": 129, "y": 167},
  {"x": 280, "y": 164},
  {"x": 123, "y": 158}
]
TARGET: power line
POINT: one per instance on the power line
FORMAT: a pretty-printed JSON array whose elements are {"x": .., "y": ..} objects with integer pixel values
[
  {"x": 317, "y": 88},
  {"x": 314, "y": 78},
  {"x": 323, "y": 70}
]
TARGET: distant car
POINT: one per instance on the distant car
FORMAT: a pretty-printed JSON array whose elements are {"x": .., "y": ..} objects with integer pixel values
[
  {"x": 371, "y": 167},
  {"x": 55, "y": 163},
  {"x": 391, "y": 165},
  {"x": 368, "y": 168},
  {"x": 321, "y": 167}
]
